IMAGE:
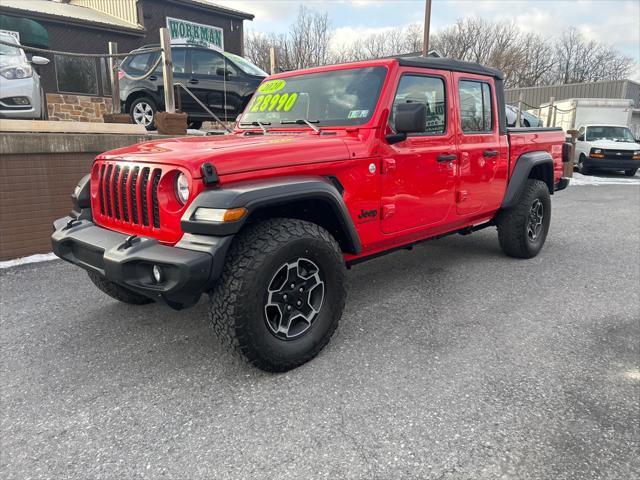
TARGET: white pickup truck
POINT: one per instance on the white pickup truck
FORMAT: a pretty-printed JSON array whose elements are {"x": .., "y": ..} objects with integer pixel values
[{"x": 607, "y": 147}]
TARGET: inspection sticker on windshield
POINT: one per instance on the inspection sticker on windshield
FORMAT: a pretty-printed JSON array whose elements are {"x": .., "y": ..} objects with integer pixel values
[
  {"x": 358, "y": 113},
  {"x": 272, "y": 86}
]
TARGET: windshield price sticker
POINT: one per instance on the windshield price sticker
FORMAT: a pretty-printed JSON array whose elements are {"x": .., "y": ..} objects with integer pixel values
[
  {"x": 272, "y": 86},
  {"x": 274, "y": 102}
]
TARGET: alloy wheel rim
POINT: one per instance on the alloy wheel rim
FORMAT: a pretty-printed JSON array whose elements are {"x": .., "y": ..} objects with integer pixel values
[
  {"x": 535, "y": 221},
  {"x": 294, "y": 298},
  {"x": 143, "y": 114}
]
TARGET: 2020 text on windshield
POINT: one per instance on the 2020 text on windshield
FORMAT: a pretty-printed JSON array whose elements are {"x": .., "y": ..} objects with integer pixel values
[{"x": 337, "y": 98}]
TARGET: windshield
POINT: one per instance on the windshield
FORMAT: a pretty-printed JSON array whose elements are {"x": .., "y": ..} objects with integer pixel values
[
  {"x": 6, "y": 49},
  {"x": 616, "y": 134},
  {"x": 245, "y": 65},
  {"x": 338, "y": 97}
]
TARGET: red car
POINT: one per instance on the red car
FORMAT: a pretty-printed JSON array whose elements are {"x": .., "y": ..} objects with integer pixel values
[{"x": 326, "y": 167}]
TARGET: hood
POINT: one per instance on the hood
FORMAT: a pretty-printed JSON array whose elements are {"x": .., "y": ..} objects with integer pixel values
[
  {"x": 611, "y": 145},
  {"x": 236, "y": 153}
]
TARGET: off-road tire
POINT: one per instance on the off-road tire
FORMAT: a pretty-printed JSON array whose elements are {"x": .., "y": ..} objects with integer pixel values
[
  {"x": 114, "y": 290},
  {"x": 513, "y": 223},
  {"x": 631, "y": 172},
  {"x": 237, "y": 303}
]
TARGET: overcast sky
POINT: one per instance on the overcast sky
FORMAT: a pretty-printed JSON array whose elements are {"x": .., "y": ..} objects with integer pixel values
[{"x": 616, "y": 22}]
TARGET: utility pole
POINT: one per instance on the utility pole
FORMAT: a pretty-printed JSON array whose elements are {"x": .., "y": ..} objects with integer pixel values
[
  {"x": 167, "y": 71},
  {"x": 113, "y": 77},
  {"x": 273, "y": 61},
  {"x": 427, "y": 23}
]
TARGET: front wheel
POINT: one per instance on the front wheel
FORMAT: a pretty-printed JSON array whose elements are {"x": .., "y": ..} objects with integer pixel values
[
  {"x": 631, "y": 172},
  {"x": 281, "y": 293},
  {"x": 522, "y": 229},
  {"x": 582, "y": 167}
]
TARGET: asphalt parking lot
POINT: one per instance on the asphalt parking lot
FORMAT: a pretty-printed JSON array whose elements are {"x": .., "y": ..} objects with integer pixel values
[{"x": 452, "y": 361}]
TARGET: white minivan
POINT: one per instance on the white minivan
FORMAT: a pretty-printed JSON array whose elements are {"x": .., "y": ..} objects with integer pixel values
[{"x": 607, "y": 147}]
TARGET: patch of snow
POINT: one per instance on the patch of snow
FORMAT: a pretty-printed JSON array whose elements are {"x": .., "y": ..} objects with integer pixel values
[
  {"x": 41, "y": 257},
  {"x": 580, "y": 180}
]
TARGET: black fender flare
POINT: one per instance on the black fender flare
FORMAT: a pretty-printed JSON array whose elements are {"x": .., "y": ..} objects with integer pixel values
[
  {"x": 257, "y": 194},
  {"x": 522, "y": 171}
]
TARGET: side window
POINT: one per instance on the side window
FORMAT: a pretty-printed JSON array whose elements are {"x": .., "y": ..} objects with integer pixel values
[
  {"x": 179, "y": 59},
  {"x": 581, "y": 134},
  {"x": 476, "y": 112},
  {"x": 139, "y": 64},
  {"x": 427, "y": 90},
  {"x": 205, "y": 62}
]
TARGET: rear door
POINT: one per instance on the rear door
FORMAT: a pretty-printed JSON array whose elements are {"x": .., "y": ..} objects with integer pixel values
[
  {"x": 483, "y": 162},
  {"x": 418, "y": 174}
]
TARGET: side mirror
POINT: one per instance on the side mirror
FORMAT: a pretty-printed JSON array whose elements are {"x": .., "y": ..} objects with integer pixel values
[
  {"x": 410, "y": 118},
  {"x": 36, "y": 60},
  {"x": 222, "y": 72}
]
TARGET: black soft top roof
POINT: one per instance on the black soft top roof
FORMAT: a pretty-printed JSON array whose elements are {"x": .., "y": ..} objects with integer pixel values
[{"x": 449, "y": 64}]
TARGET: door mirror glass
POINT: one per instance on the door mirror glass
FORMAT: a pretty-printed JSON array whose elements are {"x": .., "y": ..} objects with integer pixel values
[{"x": 410, "y": 117}]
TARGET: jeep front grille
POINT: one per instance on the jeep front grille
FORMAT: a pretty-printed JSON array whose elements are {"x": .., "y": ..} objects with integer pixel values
[{"x": 130, "y": 194}]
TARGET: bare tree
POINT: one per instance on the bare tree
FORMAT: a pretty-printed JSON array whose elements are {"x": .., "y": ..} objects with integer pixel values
[{"x": 527, "y": 59}]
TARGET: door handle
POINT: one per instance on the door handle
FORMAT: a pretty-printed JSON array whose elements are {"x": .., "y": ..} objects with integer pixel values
[
  {"x": 447, "y": 157},
  {"x": 490, "y": 153},
  {"x": 194, "y": 81},
  {"x": 153, "y": 78}
]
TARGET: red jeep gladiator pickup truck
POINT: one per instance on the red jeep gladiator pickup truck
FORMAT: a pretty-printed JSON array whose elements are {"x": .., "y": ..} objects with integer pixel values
[{"x": 326, "y": 167}]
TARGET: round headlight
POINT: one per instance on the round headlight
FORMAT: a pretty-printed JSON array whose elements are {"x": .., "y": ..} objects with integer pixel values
[{"x": 182, "y": 188}]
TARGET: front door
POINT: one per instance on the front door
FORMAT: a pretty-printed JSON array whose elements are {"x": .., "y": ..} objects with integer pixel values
[
  {"x": 418, "y": 174},
  {"x": 483, "y": 162},
  {"x": 214, "y": 82}
]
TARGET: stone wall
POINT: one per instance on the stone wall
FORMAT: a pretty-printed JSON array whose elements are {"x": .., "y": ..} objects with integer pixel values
[{"x": 77, "y": 108}]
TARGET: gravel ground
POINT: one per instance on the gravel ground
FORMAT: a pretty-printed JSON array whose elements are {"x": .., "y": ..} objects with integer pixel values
[{"x": 451, "y": 362}]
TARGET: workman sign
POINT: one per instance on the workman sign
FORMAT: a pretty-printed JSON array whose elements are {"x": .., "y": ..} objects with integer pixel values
[{"x": 183, "y": 32}]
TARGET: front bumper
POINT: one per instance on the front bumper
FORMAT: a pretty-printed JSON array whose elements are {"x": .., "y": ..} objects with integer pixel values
[
  {"x": 20, "y": 87},
  {"x": 189, "y": 269},
  {"x": 612, "y": 163}
]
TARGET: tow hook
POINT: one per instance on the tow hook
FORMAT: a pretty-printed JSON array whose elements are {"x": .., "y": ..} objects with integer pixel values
[
  {"x": 72, "y": 223},
  {"x": 131, "y": 239}
]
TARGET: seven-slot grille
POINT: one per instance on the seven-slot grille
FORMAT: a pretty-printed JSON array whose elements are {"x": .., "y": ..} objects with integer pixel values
[{"x": 130, "y": 194}]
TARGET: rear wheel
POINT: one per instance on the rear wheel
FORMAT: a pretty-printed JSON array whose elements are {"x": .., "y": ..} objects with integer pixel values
[
  {"x": 143, "y": 112},
  {"x": 116, "y": 291},
  {"x": 631, "y": 172},
  {"x": 522, "y": 229},
  {"x": 281, "y": 294}
]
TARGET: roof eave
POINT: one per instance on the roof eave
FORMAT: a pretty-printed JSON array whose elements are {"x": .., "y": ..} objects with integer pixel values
[
  {"x": 216, "y": 8},
  {"x": 70, "y": 20}
]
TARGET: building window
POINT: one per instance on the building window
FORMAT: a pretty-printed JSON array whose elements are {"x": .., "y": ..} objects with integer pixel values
[
  {"x": 76, "y": 75},
  {"x": 476, "y": 114}
]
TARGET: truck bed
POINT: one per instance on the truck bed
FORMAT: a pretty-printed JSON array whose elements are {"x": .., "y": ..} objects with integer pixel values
[{"x": 548, "y": 139}]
